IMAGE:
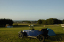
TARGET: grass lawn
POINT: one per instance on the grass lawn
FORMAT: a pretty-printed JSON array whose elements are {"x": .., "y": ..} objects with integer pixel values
[{"x": 11, "y": 34}]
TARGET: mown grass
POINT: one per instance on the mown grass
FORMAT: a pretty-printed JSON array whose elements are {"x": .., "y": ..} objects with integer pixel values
[{"x": 11, "y": 34}]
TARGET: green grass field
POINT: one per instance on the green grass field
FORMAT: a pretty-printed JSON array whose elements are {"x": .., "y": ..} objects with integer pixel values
[{"x": 11, "y": 34}]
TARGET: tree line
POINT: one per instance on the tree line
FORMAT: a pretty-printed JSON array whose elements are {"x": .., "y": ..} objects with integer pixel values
[
  {"x": 4, "y": 21},
  {"x": 50, "y": 21}
]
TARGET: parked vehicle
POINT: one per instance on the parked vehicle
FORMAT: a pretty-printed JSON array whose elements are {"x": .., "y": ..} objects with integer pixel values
[{"x": 39, "y": 34}]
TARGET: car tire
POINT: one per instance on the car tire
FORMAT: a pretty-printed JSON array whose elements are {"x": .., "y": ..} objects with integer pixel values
[{"x": 41, "y": 38}]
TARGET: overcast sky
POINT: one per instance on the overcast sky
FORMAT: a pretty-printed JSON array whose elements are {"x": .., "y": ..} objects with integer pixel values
[{"x": 31, "y": 9}]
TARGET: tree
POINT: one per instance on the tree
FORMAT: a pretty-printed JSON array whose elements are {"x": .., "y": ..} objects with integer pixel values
[
  {"x": 4, "y": 21},
  {"x": 50, "y": 21},
  {"x": 44, "y": 22},
  {"x": 40, "y": 21},
  {"x": 63, "y": 21}
]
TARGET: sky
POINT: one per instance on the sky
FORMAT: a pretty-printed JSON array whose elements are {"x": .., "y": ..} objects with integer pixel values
[{"x": 31, "y": 9}]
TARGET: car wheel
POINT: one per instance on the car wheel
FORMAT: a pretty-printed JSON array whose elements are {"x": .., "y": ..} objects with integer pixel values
[
  {"x": 20, "y": 35},
  {"x": 41, "y": 38}
]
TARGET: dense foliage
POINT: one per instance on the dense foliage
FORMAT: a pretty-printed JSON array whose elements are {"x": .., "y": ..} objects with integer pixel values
[
  {"x": 39, "y": 21},
  {"x": 63, "y": 21},
  {"x": 50, "y": 21},
  {"x": 3, "y": 22}
]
